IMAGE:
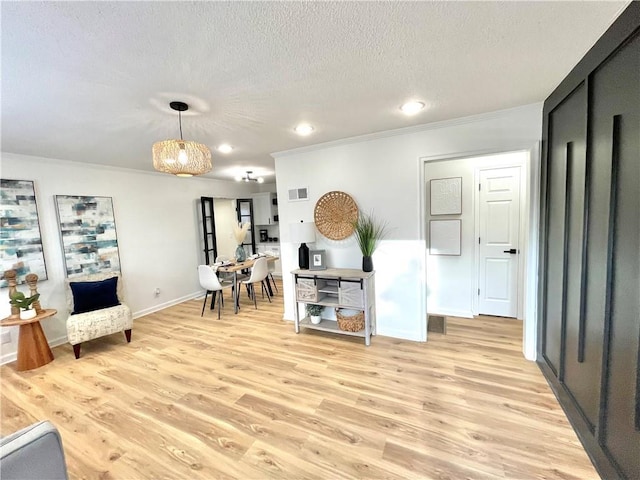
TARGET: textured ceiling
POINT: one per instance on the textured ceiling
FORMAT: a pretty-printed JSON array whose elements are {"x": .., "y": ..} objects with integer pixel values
[{"x": 91, "y": 81}]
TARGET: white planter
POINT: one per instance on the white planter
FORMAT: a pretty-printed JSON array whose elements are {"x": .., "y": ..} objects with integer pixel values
[
  {"x": 315, "y": 319},
  {"x": 27, "y": 314}
]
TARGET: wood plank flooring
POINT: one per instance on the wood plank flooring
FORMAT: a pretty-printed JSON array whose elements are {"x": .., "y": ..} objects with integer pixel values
[{"x": 245, "y": 397}]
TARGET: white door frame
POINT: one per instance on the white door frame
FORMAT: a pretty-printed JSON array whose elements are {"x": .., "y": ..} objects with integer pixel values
[
  {"x": 522, "y": 232},
  {"x": 529, "y": 228}
]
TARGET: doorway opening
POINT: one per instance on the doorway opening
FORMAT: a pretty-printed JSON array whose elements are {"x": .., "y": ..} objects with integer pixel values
[{"x": 493, "y": 270}]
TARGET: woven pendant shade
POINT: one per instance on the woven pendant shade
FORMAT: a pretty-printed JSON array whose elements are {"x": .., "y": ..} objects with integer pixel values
[
  {"x": 195, "y": 159},
  {"x": 181, "y": 157}
]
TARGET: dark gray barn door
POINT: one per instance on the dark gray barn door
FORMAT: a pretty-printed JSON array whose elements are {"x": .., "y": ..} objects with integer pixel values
[
  {"x": 616, "y": 135},
  {"x": 590, "y": 248}
]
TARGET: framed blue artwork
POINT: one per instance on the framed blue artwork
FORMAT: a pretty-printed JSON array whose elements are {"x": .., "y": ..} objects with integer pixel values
[
  {"x": 20, "y": 238},
  {"x": 88, "y": 233}
]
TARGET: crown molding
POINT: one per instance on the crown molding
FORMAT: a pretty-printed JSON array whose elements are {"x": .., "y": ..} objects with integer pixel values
[
  {"x": 407, "y": 130},
  {"x": 97, "y": 166}
]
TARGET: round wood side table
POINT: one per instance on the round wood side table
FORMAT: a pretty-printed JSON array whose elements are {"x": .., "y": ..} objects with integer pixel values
[{"x": 33, "y": 348}]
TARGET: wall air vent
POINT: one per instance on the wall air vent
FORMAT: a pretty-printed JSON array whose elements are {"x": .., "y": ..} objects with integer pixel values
[{"x": 298, "y": 194}]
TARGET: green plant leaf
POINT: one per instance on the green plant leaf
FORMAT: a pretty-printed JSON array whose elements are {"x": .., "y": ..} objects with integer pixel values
[
  {"x": 368, "y": 231},
  {"x": 313, "y": 309},
  {"x": 18, "y": 299}
]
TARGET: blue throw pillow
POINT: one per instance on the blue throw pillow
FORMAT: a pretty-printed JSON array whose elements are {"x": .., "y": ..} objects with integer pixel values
[{"x": 90, "y": 296}]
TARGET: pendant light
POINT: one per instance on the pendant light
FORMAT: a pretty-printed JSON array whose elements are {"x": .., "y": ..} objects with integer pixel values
[{"x": 181, "y": 157}]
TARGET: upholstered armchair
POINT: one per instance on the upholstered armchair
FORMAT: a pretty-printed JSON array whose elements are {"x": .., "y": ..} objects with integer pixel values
[
  {"x": 33, "y": 453},
  {"x": 96, "y": 308}
]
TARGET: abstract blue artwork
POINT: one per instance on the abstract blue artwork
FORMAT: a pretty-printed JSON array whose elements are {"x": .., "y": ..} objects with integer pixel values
[
  {"x": 20, "y": 239},
  {"x": 88, "y": 231}
]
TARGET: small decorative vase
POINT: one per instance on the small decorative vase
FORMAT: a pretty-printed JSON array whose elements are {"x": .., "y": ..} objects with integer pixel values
[
  {"x": 315, "y": 319},
  {"x": 241, "y": 255},
  {"x": 367, "y": 264},
  {"x": 27, "y": 314}
]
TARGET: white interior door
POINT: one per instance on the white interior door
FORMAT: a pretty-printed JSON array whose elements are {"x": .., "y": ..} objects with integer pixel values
[{"x": 499, "y": 217}]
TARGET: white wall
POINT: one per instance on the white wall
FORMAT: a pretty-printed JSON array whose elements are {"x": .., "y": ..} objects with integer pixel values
[
  {"x": 157, "y": 222},
  {"x": 383, "y": 172},
  {"x": 224, "y": 211}
]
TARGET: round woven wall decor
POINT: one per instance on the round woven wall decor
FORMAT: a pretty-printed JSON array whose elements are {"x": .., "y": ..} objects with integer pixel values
[{"x": 334, "y": 215}]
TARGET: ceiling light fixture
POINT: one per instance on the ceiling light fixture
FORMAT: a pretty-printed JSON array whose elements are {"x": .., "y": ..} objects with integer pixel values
[
  {"x": 225, "y": 148},
  {"x": 303, "y": 129},
  {"x": 181, "y": 157},
  {"x": 411, "y": 108},
  {"x": 249, "y": 178}
]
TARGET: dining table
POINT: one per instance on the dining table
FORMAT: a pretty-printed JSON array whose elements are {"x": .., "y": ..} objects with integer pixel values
[{"x": 235, "y": 267}]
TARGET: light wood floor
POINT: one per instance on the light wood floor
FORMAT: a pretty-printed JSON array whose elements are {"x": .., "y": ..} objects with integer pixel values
[{"x": 245, "y": 397}]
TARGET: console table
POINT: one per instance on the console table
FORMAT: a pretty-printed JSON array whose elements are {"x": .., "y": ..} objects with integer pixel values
[
  {"x": 33, "y": 348},
  {"x": 337, "y": 288}
]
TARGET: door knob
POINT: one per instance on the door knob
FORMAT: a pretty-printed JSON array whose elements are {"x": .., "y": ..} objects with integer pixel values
[{"x": 513, "y": 251}]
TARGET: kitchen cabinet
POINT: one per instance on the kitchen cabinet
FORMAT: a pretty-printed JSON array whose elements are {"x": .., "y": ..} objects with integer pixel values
[{"x": 265, "y": 208}]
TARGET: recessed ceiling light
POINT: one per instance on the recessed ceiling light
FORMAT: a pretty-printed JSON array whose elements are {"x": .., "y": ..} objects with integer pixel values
[
  {"x": 225, "y": 148},
  {"x": 411, "y": 108},
  {"x": 303, "y": 129}
]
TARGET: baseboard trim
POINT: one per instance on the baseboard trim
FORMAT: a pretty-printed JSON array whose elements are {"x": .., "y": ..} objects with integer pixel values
[
  {"x": 170, "y": 303},
  {"x": 451, "y": 313},
  {"x": 597, "y": 454},
  {"x": 13, "y": 356},
  {"x": 400, "y": 334}
]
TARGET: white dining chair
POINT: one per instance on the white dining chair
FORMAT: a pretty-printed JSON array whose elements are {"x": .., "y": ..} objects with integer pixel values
[
  {"x": 229, "y": 276},
  {"x": 259, "y": 273},
  {"x": 210, "y": 282},
  {"x": 272, "y": 281}
]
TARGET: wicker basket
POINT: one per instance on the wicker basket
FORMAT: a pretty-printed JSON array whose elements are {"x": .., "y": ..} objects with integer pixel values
[{"x": 350, "y": 323}]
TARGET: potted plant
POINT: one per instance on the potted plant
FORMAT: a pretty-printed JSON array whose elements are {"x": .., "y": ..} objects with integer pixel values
[
  {"x": 24, "y": 303},
  {"x": 368, "y": 231},
  {"x": 314, "y": 311}
]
